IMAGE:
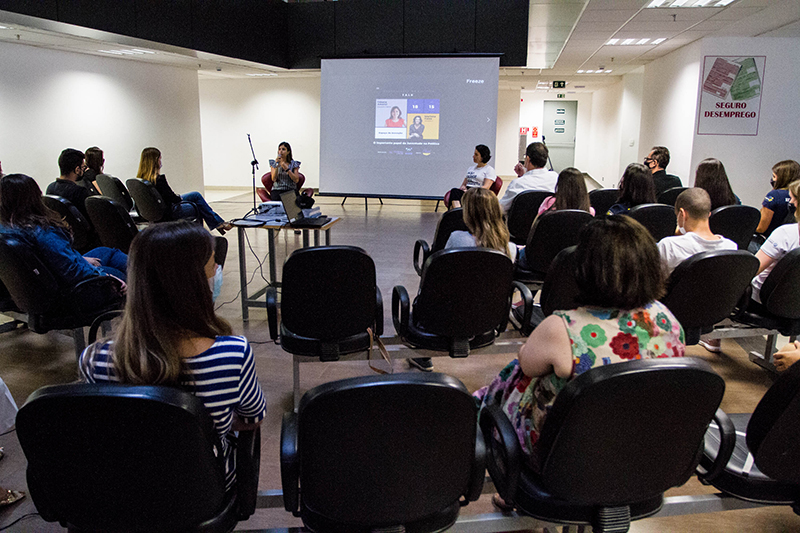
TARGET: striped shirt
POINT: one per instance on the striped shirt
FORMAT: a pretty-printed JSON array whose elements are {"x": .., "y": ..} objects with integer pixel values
[{"x": 223, "y": 377}]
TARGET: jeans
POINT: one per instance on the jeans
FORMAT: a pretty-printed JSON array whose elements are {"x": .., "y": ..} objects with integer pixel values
[
  {"x": 112, "y": 261},
  {"x": 206, "y": 213}
]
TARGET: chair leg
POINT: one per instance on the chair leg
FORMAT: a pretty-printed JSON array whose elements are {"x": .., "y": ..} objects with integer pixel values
[
  {"x": 765, "y": 361},
  {"x": 437, "y": 207},
  {"x": 80, "y": 342},
  {"x": 296, "y": 378}
]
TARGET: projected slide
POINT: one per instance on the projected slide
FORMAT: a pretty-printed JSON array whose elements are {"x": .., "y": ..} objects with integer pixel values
[{"x": 404, "y": 127}]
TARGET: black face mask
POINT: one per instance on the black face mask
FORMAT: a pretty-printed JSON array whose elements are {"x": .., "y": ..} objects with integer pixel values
[{"x": 772, "y": 183}]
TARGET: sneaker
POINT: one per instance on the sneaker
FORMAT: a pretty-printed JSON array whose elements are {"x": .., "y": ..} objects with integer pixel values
[
  {"x": 713, "y": 348},
  {"x": 423, "y": 363}
]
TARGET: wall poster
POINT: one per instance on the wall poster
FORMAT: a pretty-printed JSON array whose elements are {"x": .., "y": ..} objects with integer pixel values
[{"x": 730, "y": 99}]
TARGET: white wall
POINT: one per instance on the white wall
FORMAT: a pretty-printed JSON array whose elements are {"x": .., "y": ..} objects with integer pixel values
[
  {"x": 669, "y": 104},
  {"x": 604, "y": 135},
  {"x": 271, "y": 111},
  {"x": 507, "y": 140},
  {"x": 748, "y": 159},
  {"x": 51, "y": 100}
]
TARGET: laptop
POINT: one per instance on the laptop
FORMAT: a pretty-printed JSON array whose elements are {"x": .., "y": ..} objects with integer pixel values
[{"x": 295, "y": 214}]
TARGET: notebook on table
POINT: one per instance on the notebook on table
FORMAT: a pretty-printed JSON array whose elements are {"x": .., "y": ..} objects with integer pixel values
[{"x": 295, "y": 214}]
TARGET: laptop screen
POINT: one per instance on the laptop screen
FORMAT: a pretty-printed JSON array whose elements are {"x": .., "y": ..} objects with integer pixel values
[{"x": 289, "y": 201}]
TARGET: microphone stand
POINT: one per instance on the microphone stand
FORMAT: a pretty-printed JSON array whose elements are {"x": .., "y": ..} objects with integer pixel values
[
  {"x": 254, "y": 165},
  {"x": 548, "y": 153}
]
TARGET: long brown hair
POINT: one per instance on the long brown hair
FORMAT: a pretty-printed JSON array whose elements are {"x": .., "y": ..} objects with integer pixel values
[
  {"x": 168, "y": 301},
  {"x": 21, "y": 205},
  {"x": 711, "y": 177},
  {"x": 786, "y": 172},
  {"x": 637, "y": 186},
  {"x": 484, "y": 219},
  {"x": 148, "y": 164},
  {"x": 571, "y": 191}
]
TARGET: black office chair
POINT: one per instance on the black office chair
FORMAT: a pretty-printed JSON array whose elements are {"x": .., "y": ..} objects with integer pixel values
[
  {"x": 382, "y": 453},
  {"x": 112, "y": 222},
  {"x": 49, "y": 307},
  {"x": 602, "y": 200},
  {"x": 552, "y": 232},
  {"x": 84, "y": 238},
  {"x": 735, "y": 222},
  {"x": 705, "y": 288},
  {"x": 151, "y": 205},
  {"x": 659, "y": 219},
  {"x": 463, "y": 301},
  {"x": 522, "y": 213},
  {"x": 756, "y": 457},
  {"x": 616, "y": 438},
  {"x": 669, "y": 196},
  {"x": 111, "y": 457},
  {"x": 452, "y": 220},
  {"x": 330, "y": 305},
  {"x": 115, "y": 189}
]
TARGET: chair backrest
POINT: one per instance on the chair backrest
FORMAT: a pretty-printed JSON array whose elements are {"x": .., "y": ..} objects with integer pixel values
[
  {"x": 560, "y": 290},
  {"x": 83, "y": 236},
  {"x": 464, "y": 292},
  {"x": 115, "y": 189},
  {"x": 112, "y": 222},
  {"x": 522, "y": 213},
  {"x": 773, "y": 434},
  {"x": 779, "y": 292},
  {"x": 552, "y": 232},
  {"x": 497, "y": 184},
  {"x": 148, "y": 200},
  {"x": 328, "y": 292},
  {"x": 735, "y": 222},
  {"x": 669, "y": 196},
  {"x": 121, "y": 458},
  {"x": 659, "y": 219},
  {"x": 623, "y": 433},
  {"x": 30, "y": 283},
  {"x": 602, "y": 200},
  {"x": 385, "y": 450},
  {"x": 452, "y": 220},
  {"x": 705, "y": 288}
]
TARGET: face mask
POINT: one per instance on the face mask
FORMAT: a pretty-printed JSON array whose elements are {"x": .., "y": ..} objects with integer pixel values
[
  {"x": 682, "y": 230},
  {"x": 215, "y": 283}
]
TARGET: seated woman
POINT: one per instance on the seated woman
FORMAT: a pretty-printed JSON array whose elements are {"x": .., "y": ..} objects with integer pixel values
[
  {"x": 21, "y": 208},
  {"x": 570, "y": 193},
  {"x": 775, "y": 207},
  {"x": 484, "y": 219},
  {"x": 94, "y": 166},
  {"x": 169, "y": 333},
  {"x": 620, "y": 319},
  {"x": 635, "y": 188},
  {"x": 478, "y": 175},
  {"x": 711, "y": 177},
  {"x": 285, "y": 172},
  {"x": 149, "y": 170}
]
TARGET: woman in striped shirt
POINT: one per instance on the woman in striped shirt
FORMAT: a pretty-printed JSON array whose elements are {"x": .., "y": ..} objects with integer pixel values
[{"x": 170, "y": 335}]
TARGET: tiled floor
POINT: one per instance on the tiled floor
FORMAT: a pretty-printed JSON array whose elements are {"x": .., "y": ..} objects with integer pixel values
[{"x": 387, "y": 233}]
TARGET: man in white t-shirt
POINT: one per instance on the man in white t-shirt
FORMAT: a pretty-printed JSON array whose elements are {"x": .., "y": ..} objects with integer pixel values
[
  {"x": 535, "y": 177},
  {"x": 692, "y": 207}
]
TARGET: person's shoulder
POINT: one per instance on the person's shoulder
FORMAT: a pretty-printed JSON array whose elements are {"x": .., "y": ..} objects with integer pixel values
[
  {"x": 460, "y": 239},
  {"x": 728, "y": 244}
]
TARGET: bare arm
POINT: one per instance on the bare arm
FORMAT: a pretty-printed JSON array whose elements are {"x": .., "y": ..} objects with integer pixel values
[
  {"x": 294, "y": 174},
  {"x": 766, "y": 218},
  {"x": 239, "y": 425},
  {"x": 547, "y": 350},
  {"x": 487, "y": 183},
  {"x": 763, "y": 261}
]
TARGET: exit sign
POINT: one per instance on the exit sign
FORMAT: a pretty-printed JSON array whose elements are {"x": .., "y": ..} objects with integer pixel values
[
  {"x": 559, "y": 85},
  {"x": 561, "y": 95}
]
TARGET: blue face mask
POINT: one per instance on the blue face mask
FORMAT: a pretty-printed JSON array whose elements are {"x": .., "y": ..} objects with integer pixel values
[{"x": 215, "y": 283}]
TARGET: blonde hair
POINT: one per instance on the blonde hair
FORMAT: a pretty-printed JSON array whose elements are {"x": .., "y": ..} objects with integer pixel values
[
  {"x": 484, "y": 219},
  {"x": 794, "y": 189},
  {"x": 148, "y": 164}
]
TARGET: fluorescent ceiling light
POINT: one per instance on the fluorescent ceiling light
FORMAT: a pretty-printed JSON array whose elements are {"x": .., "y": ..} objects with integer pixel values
[
  {"x": 609, "y": 70},
  {"x": 658, "y": 41},
  {"x": 626, "y": 42},
  {"x": 589, "y": 71},
  {"x": 689, "y": 3},
  {"x": 130, "y": 52},
  {"x": 702, "y": 3},
  {"x": 4, "y": 28},
  {"x": 723, "y": 3},
  {"x": 656, "y": 3},
  {"x": 643, "y": 41},
  {"x": 612, "y": 41},
  {"x": 678, "y": 3},
  {"x": 263, "y": 74},
  {"x": 580, "y": 72}
]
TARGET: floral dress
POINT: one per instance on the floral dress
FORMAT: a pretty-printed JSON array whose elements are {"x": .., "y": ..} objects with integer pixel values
[{"x": 598, "y": 337}]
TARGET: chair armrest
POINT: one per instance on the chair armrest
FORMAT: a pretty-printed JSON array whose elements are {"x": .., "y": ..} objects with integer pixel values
[
  {"x": 272, "y": 312},
  {"x": 727, "y": 437},
  {"x": 248, "y": 468},
  {"x": 97, "y": 322},
  {"x": 478, "y": 473},
  {"x": 420, "y": 261},
  {"x": 527, "y": 307},
  {"x": 95, "y": 294},
  {"x": 378, "y": 312},
  {"x": 290, "y": 464},
  {"x": 501, "y": 445},
  {"x": 400, "y": 309}
]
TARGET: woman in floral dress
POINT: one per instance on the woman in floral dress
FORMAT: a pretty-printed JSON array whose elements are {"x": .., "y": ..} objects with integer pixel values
[{"x": 620, "y": 319}]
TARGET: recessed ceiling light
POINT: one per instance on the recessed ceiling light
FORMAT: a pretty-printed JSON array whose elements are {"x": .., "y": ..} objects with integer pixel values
[
  {"x": 658, "y": 41},
  {"x": 609, "y": 70},
  {"x": 626, "y": 42},
  {"x": 723, "y": 3},
  {"x": 580, "y": 72},
  {"x": 678, "y": 3},
  {"x": 643, "y": 41},
  {"x": 589, "y": 71},
  {"x": 128, "y": 52},
  {"x": 5, "y": 27},
  {"x": 689, "y": 3},
  {"x": 612, "y": 41},
  {"x": 656, "y": 3},
  {"x": 263, "y": 74}
]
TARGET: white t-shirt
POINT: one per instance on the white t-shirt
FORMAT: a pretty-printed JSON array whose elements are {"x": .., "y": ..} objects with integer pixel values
[
  {"x": 538, "y": 179},
  {"x": 782, "y": 241},
  {"x": 675, "y": 249},
  {"x": 465, "y": 239},
  {"x": 475, "y": 175}
]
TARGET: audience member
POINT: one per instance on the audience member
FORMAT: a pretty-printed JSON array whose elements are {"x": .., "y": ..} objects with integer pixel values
[
  {"x": 169, "y": 333},
  {"x": 657, "y": 161},
  {"x": 692, "y": 208},
  {"x": 21, "y": 208},
  {"x": 535, "y": 177},
  {"x": 285, "y": 172},
  {"x": 776, "y": 206},
  {"x": 635, "y": 188},
  {"x": 72, "y": 166},
  {"x": 570, "y": 193},
  {"x": 94, "y": 166},
  {"x": 478, "y": 175},
  {"x": 711, "y": 177},
  {"x": 620, "y": 279},
  {"x": 786, "y": 356},
  {"x": 149, "y": 168}
]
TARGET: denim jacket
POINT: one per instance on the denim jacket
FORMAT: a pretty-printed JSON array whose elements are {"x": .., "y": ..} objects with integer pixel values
[{"x": 55, "y": 250}]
